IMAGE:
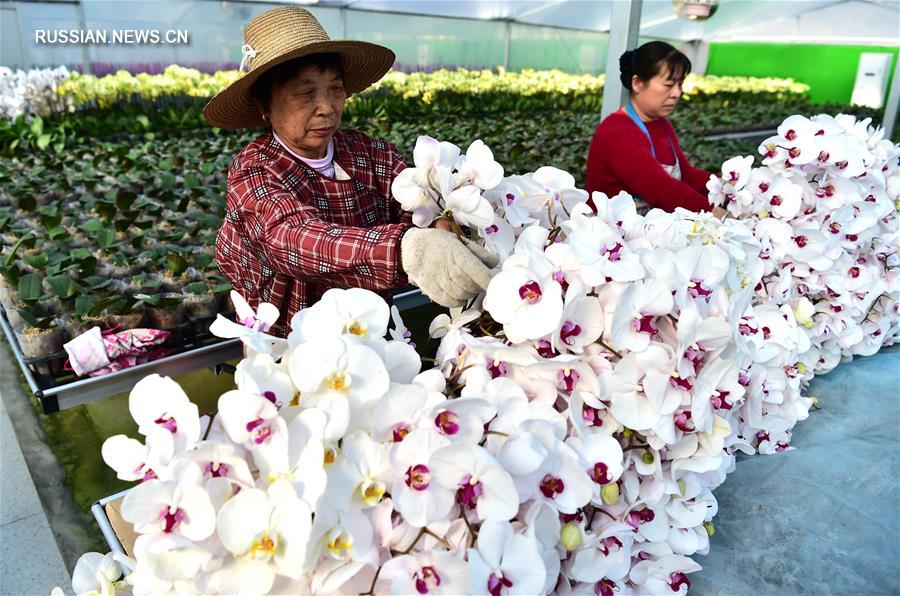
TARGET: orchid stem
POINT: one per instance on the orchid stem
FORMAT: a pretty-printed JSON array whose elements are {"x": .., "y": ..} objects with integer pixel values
[
  {"x": 208, "y": 428},
  {"x": 414, "y": 542},
  {"x": 495, "y": 432},
  {"x": 440, "y": 539},
  {"x": 609, "y": 348},
  {"x": 472, "y": 531}
]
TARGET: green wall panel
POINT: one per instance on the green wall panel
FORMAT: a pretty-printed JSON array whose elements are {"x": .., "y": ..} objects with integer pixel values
[{"x": 829, "y": 70}]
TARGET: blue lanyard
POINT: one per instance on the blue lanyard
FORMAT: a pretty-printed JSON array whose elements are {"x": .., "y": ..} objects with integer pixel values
[{"x": 629, "y": 109}]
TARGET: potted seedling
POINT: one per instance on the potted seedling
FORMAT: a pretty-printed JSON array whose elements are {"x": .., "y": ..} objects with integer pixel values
[
  {"x": 200, "y": 301},
  {"x": 41, "y": 336},
  {"x": 124, "y": 310},
  {"x": 165, "y": 310}
]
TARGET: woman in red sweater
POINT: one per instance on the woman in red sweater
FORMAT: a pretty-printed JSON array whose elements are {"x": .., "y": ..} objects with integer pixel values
[{"x": 636, "y": 149}]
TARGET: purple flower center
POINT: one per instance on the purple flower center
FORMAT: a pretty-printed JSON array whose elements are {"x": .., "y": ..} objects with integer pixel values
[
  {"x": 168, "y": 423},
  {"x": 496, "y": 368},
  {"x": 530, "y": 292},
  {"x": 418, "y": 477},
  {"x": 605, "y": 587},
  {"x": 560, "y": 278},
  {"x": 468, "y": 493},
  {"x": 171, "y": 519},
  {"x": 497, "y": 582},
  {"x": 611, "y": 253},
  {"x": 400, "y": 431},
  {"x": 599, "y": 473},
  {"x": 510, "y": 198},
  {"x": 637, "y": 517},
  {"x": 644, "y": 325},
  {"x": 447, "y": 422},
  {"x": 696, "y": 289},
  {"x": 216, "y": 470},
  {"x": 426, "y": 578},
  {"x": 551, "y": 486},
  {"x": 719, "y": 402},
  {"x": 259, "y": 431},
  {"x": 608, "y": 543},
  {"x": 569, "y": 331},
  {"x": 566, "y": 380},
  {"x": 591, "y": 415},
  {"x": 679, "y": 383},
  {"x": 694, "y": 355},
  {"x": 683, "y": 421},
  {"x": 545, "y": 349},
  {"x": 678, "y": 579},
  {"x": 491, "y": 229}
]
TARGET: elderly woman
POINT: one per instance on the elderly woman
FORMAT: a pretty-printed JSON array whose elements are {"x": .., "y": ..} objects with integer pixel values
[
  {"x": 309, "y": 204},
  {"x": 636, "y": 149}
]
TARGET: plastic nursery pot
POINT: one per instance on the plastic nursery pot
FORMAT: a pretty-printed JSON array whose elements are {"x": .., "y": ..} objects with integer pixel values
[
  {"x": 130, "y": 320},
  {"x": 203, "y": 305},
  {"x": 75, "y": 326},
  {"x": 39, "y": 343},
  {"x": 166, "y": 317},
  {"x": 9, "y": 295}
]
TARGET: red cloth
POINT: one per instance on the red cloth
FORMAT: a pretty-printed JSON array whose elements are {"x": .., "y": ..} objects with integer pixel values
[
  {"x": 620, "y": 159},
  {"x": 290, "y": 233}
]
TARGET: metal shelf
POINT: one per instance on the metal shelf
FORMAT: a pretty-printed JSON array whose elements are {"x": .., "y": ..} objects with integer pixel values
[{"x": 76, "y": 391}]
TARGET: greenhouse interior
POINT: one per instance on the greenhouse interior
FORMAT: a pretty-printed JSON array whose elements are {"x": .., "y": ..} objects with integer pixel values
[{"x": 450, "y": 297}]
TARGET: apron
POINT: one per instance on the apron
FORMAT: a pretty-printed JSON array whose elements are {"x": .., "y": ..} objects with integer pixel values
[{"x": 673, "y": 170}]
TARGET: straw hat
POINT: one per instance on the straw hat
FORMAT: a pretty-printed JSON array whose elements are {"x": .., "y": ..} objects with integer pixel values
[{"x": 282, "y": 34}]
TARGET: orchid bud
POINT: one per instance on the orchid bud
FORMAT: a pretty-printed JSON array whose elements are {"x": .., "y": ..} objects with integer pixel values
[
  {"x": 609, "y": 493},
  {"x": 570, "y": 537},
  {"x": 709, "y": 527},
  {"x": 681, "y": 486},
  {"x": 648, "y": 457}
]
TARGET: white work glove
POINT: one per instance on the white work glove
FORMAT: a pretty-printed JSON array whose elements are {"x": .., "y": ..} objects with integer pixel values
[{"x": 448, "y": 271}]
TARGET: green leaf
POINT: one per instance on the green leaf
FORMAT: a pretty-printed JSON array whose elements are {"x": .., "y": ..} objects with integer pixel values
[
  {"x": 207, "y": 168},
  {"x": 56, "y": 232},
  {"x": 106, "y": 238},
  {"x": 176, "y": 263},
  {"x": 37, "y": 126},
  {"x": 37, "y": 261},
  {"x": 30, "y": 287},
  {"x": 143, "y": 120},
  {"x": 11, "y": 257},
  {"x": 125, "y": 199},
  {"x": 91, "y": 226},
  {"x": 165, "y": 164},
  {"x": 63, "y": 286},
  {"x": 191, "y": 181},
  {"x": 84, "y": 304},
  {"x": 43, "y": 141}
]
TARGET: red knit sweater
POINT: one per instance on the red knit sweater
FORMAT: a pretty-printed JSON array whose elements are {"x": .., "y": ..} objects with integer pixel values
[{"x": 620, "y": 159}]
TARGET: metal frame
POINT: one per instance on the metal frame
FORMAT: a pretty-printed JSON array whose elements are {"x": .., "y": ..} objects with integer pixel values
[
  {"x": 85, "y": 390},
  {"x": 98, "y": 510}
]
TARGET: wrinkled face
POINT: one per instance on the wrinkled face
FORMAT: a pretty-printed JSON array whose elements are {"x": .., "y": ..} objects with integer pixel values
[
  {"x": 657, "y": 97},
  {"x": 306, "y": 110}
]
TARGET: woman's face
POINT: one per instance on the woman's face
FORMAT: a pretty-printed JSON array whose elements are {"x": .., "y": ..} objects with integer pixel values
[
  {"x": 306, "y": 110},
  {"x": 657, "y": 97}
]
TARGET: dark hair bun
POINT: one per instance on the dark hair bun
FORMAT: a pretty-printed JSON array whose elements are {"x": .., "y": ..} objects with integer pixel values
[{"x": 626, "y": 68}]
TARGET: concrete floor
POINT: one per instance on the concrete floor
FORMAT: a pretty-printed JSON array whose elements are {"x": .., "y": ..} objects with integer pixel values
[{"x": 31, "y": 561}]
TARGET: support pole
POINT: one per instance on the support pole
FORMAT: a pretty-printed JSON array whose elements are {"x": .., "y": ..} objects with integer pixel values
[
  {"x": 893, "y": 102},
  {"x": 624, "y": 27},
  {"x": 507, "y": 34},
  {"x": 85, "y": 53}
]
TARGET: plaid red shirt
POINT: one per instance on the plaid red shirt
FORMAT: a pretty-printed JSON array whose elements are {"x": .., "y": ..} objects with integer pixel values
[{"x": 290, "y": 233}]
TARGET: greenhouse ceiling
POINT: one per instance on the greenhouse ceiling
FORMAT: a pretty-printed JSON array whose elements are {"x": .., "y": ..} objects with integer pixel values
[{"x": 841, "y": 21}]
